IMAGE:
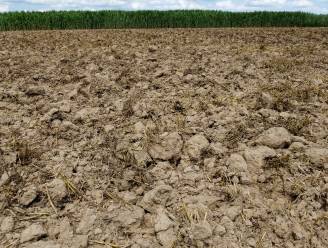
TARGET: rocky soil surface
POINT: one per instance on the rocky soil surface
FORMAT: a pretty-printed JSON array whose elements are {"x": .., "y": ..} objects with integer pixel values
[{"x": 164, "y": 138}]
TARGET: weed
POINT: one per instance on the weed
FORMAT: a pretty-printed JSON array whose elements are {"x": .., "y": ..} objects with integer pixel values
[
  {"x": 295, "y": 125},
  {"x": 180, "y": 122},
  {"x": 25, "y": 152},
  {"x": 128, "y": 108},
  {"x": 178, "y": 107},
  {"x": 283, "y": 65},
  {"x": 278, "y": 162},
  {"x": 262, "y": 47},
  {"x": 235, "y": 135},
  {"x": 284, "y": 93},
  {"x": 202, "y": 106},
  {"x": 192, "y": 214},
  {"x": 232, "y": 192},
  {"x": 297, "y": 188}
]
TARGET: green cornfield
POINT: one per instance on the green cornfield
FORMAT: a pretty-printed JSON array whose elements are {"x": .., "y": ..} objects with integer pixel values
[{"x": 156, "y": 19}]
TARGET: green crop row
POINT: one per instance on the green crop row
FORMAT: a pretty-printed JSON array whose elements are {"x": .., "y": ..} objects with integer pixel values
[{"x": 156, "y": 19}]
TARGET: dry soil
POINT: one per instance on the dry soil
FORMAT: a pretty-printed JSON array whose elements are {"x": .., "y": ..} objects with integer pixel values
[{"x": 164, "y": 138}]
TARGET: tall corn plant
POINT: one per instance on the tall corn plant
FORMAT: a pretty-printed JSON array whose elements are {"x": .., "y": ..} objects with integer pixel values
[{"x": 156, "y": 19}]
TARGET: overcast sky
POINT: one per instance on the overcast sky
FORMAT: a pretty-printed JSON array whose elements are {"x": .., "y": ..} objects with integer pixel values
[{"x": 317, "y": 6}]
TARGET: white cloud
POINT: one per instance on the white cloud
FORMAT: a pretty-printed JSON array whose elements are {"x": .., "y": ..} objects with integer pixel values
[
  {"x": 281, "y": 3},
  {"x": 252, "y": 5},
  {"x": 78, "y": 2},
  {"x": 125, "y": 4},
  {"x": 4, "y": 7},
  {"x": 226, "y": 5},
  {"x": 233, "y": 6},
  {"x": 264, "y": 3},
  {"x": 189, "y": 4},
  {"x": 166, "y": 4},
  {"x": 319, "y": 6},
  {"x": 303, "y": 3}
]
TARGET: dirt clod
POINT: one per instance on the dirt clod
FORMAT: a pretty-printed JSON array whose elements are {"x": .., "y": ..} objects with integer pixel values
[
  {"x": 276, "y": 137},
  {"x": 33, "y": 232},
  {"x": 28, "y": 196}
]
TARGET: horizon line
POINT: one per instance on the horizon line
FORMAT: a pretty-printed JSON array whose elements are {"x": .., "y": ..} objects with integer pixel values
[{"x": 164, "y": 10}]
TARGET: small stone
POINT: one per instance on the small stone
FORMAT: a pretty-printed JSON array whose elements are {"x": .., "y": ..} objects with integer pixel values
[
  {"x": 220, "y": 230},
  {"x": 296, "y": 146},
  {"x": 251, "y": 242},
  {"x": 80, "y": 241},
  {"x": 57, "y": 190},
  {"x": 86, "y": 114},
  {"x": 275, "y": 137},
  {"x": 140, "y": 109},
  {"x": 142, "y": 157},
  {"x": 317, "y": 156},
  {"x": 188, "y": 78},
  {"x": 4, "y": 179},
  {"x": 92, "y": 67},
  {"x": 160, "y": 73},
  {"x": 65, "y": 231},
  {"x": 218, "y": 149},
  {"x": 72, "y": 94},
  {"x": 9, "y": 159},
  {"x": 298, "y": 232},
  {"x": 300, "y": 140},
  {"x": 156, "y": 197},
  {"x": 233, "y": 212},
  {"x": 53, "y": 229},
  {"x": 149, "y": 220},
  {"x": 266, "y": 101},
  {"x": 196, "y": 145},
  {"x": 33, "y": 232},
  {"x": 282, "y": 227},
  {"x": 53, "y": 114},
  {"x": 255, "y": 156},
  {"x": 167, "y": 238},
  {"x": 108, "y": 128},
  {"x": 169, "y": 147},
  {"x": 262, "y": 178},
  {"x": 44, "y": 244},
  {"x": 140, "y": 190},
  {"x": 236, "y": 163},
  {"x": 162, "y": 221},
  {"x": 98, "y": 196},
  {"x": 131, "y": 217},
  {"x": 35, "y": 91},
  {"x": 139, "y": 127},
  {"x": 66, "y": 108},
  {"x": 235, "y": 180},
  {"x": 152, "y": 49},
  {"x": 28, "y": 196},
  {"x": 210, "y": 163},
  {"x": 201, "y": 231},
  {"x": 245, "y": 178},
  {"x": 227, "y": 223},
  {"x": 52, "y": 111},
  {"x": 161, "y": 171},
  {"x": 56, "y": 123},
  {"x": 87, "y": 221},
  {"x": 7, "y": 224},
  {"x": 268, "y": 113},
  {"x": 128, "y": 196}
]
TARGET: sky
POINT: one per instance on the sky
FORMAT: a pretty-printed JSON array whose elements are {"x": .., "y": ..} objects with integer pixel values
[{"x": 315, "y": 6}]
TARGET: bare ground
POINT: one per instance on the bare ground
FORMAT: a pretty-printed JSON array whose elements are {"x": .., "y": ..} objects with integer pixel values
[{"x": 164, "y": 138}]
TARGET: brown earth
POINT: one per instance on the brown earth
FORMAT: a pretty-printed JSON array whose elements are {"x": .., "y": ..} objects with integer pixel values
[{"x": 164, "y": 138}]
